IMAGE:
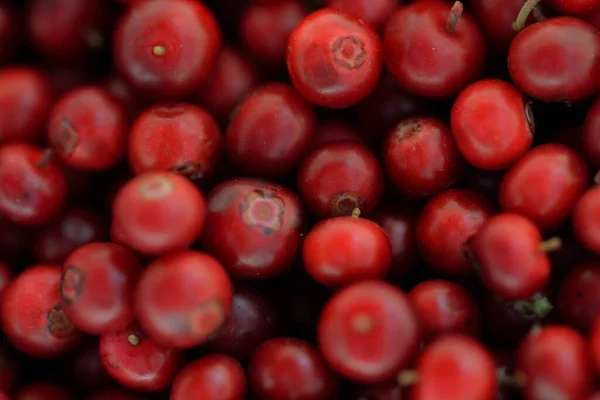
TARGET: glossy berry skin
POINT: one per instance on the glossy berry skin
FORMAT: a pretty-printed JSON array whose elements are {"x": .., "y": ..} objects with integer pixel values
[
  {"x": 445, "y": 307},
  {"x": 213, "y": 377},
  {"x": 88, "y": 129},
  {"x": 32, "y": 315},
  {"x": 182, "y": 299},
  {"x": 508, "y": 253},
  {"x": 549, "y": 65},
  {"x": 374, "y": 12},
  {"x": 444, "y": 226},
  {"x": 420, "y": 156},
  {"x": 136, "y": 361},
  {"x": 25, "y": 101},
  {"x": 176, "y": 137},
  {"x": 96, "y": 287},
  {"x": 425, "y": 56},
  {"x": 359, "y": 328},
  {"x": 252, "y": 321},
  {"x": 339, "y": 177},
  {"x": 287, "y": 368},
  {"x": 270, "y": 131},
  {"x": 32, "y": 190},
  {"x": 71, "y": 229},
  {"x": 43, "y": 391},
  {"x": 544, "y": 185},
  {"x": 157, "y": 212},
  {"x": 266, "y": 26},
  {"x": 469, "y": 371},
  {"x": 343, "y": 250},
  {"x": 586, "y": 220},
  {"x": 590, "y": 134},
  {"x": 166, "y": 48},
  {"x": 578, "y": 297},
  {"x": 555, "y": 362},
  {"x": 334, "y": 58},
  {"x": 231, "y": 80},
  {"x": 492, "y": 124},
  {"x": 253, "y": 227}
]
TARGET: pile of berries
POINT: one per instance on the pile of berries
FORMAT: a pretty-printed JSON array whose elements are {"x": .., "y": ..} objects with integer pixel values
[{"x": 299, "y": 200}]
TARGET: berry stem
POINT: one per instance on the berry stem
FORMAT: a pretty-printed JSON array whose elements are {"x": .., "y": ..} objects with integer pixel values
[
  {"x": 408, "y": 377},
  {"x": 133, "y": 339},
  {"x": 159, "y": 50},
  {"x": 455, "y": 14},
  {"x": 551, "y": 244},
  {"x": 355, "y": 213},
  {"x": 527, "y": 8},
  {"x": 46, "y": 157}
]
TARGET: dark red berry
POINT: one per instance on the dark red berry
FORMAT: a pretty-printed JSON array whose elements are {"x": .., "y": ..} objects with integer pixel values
[
  {"x": 594, "y": 344},
  {"x": 9, "y": 33},
  {"x": 586, "y": 220},
  {"x": 335, "y": 131},
  {"x": 579, "y": 298},
  {"x": 6, "y": 276},
  {"x": 374, "y": 12},
  {"x": 496, "y": 19},
  {"x": 590, "y": 134},
  {"x": 87, "y": 367}
]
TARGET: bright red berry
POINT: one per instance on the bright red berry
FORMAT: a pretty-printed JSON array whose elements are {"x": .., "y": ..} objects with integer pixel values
[
  {"x": 586, "y": 220},
  {"x": 334, "y": 58},
  {"x": 579, "y": 298}
]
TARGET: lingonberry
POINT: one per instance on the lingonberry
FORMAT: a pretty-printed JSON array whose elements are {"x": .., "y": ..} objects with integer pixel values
[
  {"x": 157, "y": 212},
  {"x": 400, "y": 227},
  {"x": 232, "y": 78},
  {"x": 334, "y": 131},
  {"x": 590, "y": 134},
  {"x": 547, "y": 63},
  {"x": 287, "y": 368},
  {"x": 270, "y": 131},
  {"x": 545, "y": 185},
  {"x": 266, "y": 26},
  {"x": 96, "y": 287},
  {"x": 32, "y": 188},
  {"x": 43, "y": 391},
  {"x": 469, "y": 371},
  {"x": 492, "y": 124},
  {"x": 578, "y": 297},
  {"x": 6, "y": 276},
  {"x": 594, "y": 344},
  {"x": 253, "y": 227},
  {"x": 508, "y": 252},
  {"x": 114, "y": 394},
  {"x": 496, "y": 18},
  {"x": 420, "y": 156},
  {"x": 554, "y": 363},
  {"x": 71, "y": 229},
  {"x": 334, "y": 58},
  {"x": 445, "y": 307},
  {"x": 213, "y": 377},
  {"x": 182, "y": 299},
  {"x": 88, "y": 129},
  {"x": 432, "y": 48},
  {"x": 25, "y": 102},
  {"x": 359, "y": 329},
  {"x": 136, "y": 361},
  {"x": 339, "y": 178},
  {"x": 344, "y": 250},
  {"x": 252, "y": 321},
  {"x": 444, "y": 226},
  {"x": 166, "y": 48},
  {"x": 32, "y": 314},
  {"x": 586, "y": 220},
  {"x": 177, "y": 137},
  {"x": 572, "y": 7},
  {"x": 87, "y": 367},
  {"x": 374, "y": 12}
]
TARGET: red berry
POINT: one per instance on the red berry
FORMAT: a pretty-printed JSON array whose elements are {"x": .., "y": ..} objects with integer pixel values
[
  {"x": 432, "y": 48},
  {"x": 374, "y": 12},
  {"x": 138, "y": 362},
  {"x": 32, "y": 314},
  {"x": 88, "y": 129},
  {"x": 166, "y": 48},
  {"x": 287, "y": 369},
  {"x": 157, "y": 212},
  {"x": 469, "y": 371},
  {"x": 178, "y": 137},
  {"x": 445, "y": 307},
  {"x": 496, "y": 18},
  {"x": 444, "y": 226},
  {"x": 96, "y": 287},
  {"x": 43, "y": 391},
  {"x": 344, "y": 250},
  {"x": 594, "y": 344},
  {"x": 6, "y": 276},
  {"x": 547, "y": 64},
  {"x": 545, "y": 185},
  {"x": 254, "y": 228},
  {"x": 554, "y": 363},
  {"x": 508, "y": 252},
  {"x": 266, "y": 26},
  {"x": 574, "y": 7},
  {"x": 334, "y": 58},
  {"x": 492, "y": 124},
  {"x": 340, "y": 177},
  {"x": 182, "y": 299},
  {"x": 579, "y": 298},
  {"x": 420, "y": 156},
  {"x": 359, "y": 331},
  {"x": 586, "y": 220},
  {"x": 214, "y": 377},
  {"x": 270, "y": 131},
  {"x": 25, "y": 101},
  {"x": 591, "y": 133}
]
